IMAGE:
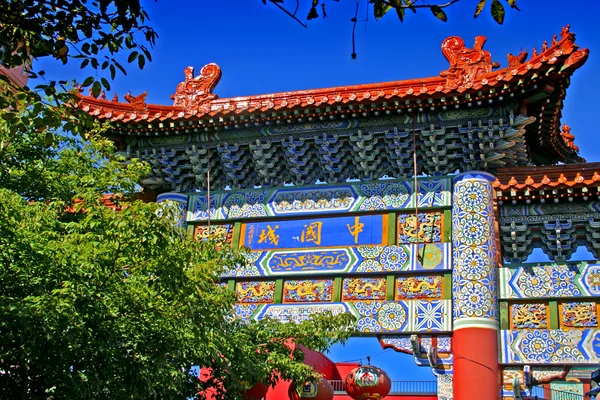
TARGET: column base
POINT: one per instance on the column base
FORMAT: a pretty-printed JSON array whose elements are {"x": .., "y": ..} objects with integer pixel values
[{"x": 476, "y": 371}]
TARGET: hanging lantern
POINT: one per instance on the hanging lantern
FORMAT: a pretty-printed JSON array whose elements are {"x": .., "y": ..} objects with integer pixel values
[
  {"x": 367, "y": 383},
  {"x": 256, "y": 392},
  {"x": 319, "y": 389}
]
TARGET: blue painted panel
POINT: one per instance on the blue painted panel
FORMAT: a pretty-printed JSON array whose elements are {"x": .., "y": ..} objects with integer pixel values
[
  {"x": 550, "y": 280},
  {"x": 550, "y": 346},
  {"x": 315, "y": 233},
  {"x": 345, "y": 260},
  {"x": 330, "y": 260},
  {"x": 373, "y": 317}
]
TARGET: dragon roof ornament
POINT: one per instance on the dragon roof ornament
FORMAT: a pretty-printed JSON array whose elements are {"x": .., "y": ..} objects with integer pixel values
[
  {"x": 467, "y": 66},
  {"x": 194, "y": 93}
]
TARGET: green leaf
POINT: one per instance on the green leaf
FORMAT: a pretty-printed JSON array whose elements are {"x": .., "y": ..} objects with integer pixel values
[
  {"x": 132, "y": 56},
  {"x": 88, "y": 81},
  {"x": 479, "y": 8},
  {"x": 96, "y": 88},
  {"x": 123, "y": 70},
  {"x": 146, "y": 53},
  {"x": 380, "y": 8},
  {"x": 141, "y": 61},
  {"x": 105, "y": 83},
  {"x": 513, "y": 4},
  {"x": 84, "y": 63},
  {"x": 409, "y": 4},
  {"x": 497, "y": 11},
  {"x": 439, "y": 13},
  {"x": 400, "y": 13}
]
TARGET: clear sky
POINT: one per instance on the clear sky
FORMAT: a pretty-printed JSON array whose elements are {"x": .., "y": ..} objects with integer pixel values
[{"x": 261, "y": 50}]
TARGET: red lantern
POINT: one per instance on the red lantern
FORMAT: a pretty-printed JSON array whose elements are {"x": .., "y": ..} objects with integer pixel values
[
  {"x": 367, "y": 383},
  {"x": 256, "y": 392},
  {"x": 319, "y": 389}
]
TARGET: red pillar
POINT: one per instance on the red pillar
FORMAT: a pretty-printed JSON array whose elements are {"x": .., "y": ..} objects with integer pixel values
[{"x": 476, "y": 370}]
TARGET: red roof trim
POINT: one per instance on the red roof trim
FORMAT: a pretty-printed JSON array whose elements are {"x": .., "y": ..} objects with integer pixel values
[{"x": 470, "y": 71}]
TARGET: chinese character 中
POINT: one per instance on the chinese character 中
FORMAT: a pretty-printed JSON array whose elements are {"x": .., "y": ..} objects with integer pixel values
[{"x": 356, "y": 228}]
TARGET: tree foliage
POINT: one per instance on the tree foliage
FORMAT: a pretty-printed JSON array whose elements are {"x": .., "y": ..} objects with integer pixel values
[
  {"x": 89, "y": 32},
  {"x": 98, "y": 302},
  {"x": 382, "y": 7}
]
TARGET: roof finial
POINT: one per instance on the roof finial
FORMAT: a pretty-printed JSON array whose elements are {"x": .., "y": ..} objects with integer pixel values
[
  {"x": 568, "y": 137},
  {"x": 193, "y": 92},
  {"x": 519, "y": 59},
  {"x": 467, "y": 66},
  {"x": 138, "y": 103}
]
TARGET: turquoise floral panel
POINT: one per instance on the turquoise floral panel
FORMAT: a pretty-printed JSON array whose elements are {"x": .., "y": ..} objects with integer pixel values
[
  {"x": 550, "y": 346},
  {"x": 551, "y": 280},
  {"x": 373, "y": 317},
  {"x": 384, "y": 195}
]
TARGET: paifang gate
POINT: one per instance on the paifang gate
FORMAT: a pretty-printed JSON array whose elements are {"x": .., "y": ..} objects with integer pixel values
[{"x": 320, "y": 186}]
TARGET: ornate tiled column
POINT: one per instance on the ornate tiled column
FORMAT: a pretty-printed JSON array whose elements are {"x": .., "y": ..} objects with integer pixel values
[{"x": 475, "y": 307}]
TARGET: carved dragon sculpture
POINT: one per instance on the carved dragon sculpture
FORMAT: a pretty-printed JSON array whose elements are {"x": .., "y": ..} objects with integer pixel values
[{"x": 194, "y": 92}]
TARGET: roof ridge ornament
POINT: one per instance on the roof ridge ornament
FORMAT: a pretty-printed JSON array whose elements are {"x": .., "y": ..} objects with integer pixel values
[
  {"x": 193, "y": 93},
  {"x": 467, "y": 66},
  {"x": 515, "y": 61},
  {"x": 138, "y": 103},
  {"x": 568, "y": 137},
  {"x": 566, "y": 32}
]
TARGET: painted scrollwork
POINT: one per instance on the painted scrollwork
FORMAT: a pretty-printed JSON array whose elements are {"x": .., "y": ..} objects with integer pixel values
[
  {"x": 579, "y": 315},
  {"x": 419, "y": 287},
  {"x": 427, "y": 230},
  {"x": 194, "y": 92},
  {"x": 221, "y": 234},
  {"x": 530, "y": 316},
  {"x": 310, "y": 290},
  {"x": 467, "y": 66}
]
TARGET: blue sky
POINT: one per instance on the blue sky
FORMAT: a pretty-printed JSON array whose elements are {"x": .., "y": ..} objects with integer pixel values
[{"x": 260, "y": 50}]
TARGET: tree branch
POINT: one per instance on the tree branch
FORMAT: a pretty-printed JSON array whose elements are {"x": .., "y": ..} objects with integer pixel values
[
  {"x": 297, "y": 6},
  {"x": 113, "y": 266},
  {"x": 387, "y": 3},
  {"x": 293, "y": 16}
]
